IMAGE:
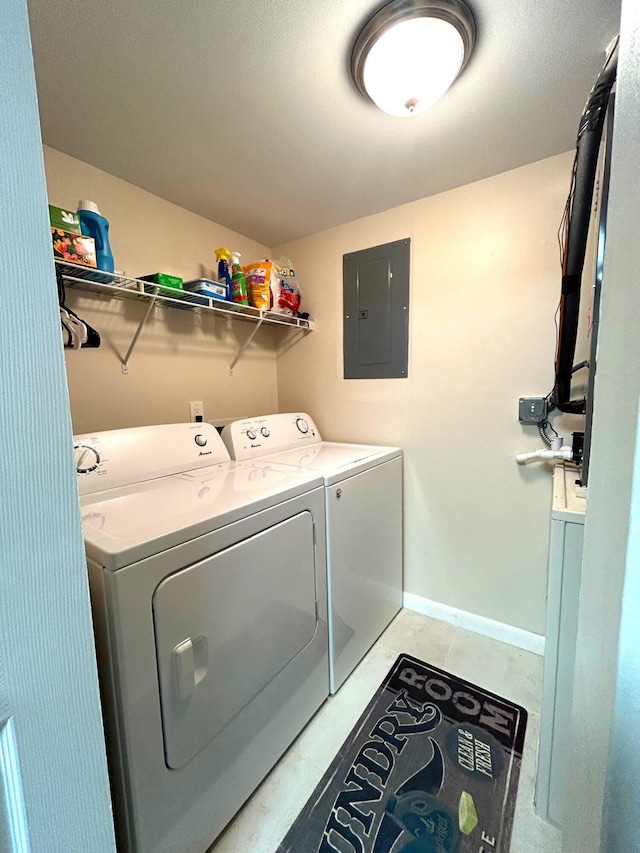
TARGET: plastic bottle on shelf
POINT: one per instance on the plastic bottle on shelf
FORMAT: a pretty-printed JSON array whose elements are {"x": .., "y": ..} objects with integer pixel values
[
  {"x": 93, "y": 224},
  {"x": 224, "y": 276},
  {"x": 238, "y": 281}
]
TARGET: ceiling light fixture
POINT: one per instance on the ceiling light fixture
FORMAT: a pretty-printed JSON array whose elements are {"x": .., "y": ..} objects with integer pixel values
[{"x": 409, "y": 53}]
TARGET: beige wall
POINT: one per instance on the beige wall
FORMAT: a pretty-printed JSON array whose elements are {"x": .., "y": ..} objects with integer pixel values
[
  {"x": 485, "y": 285},
  {"x": 180, "y": 356},
  {"x": 484, "y": 289}
]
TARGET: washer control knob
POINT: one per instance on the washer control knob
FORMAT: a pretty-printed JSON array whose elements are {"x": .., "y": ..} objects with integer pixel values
[
  {"x": 87, "y": 458},
  {"x": 201, "y": 440},
  {"x": 265, "y": 432},
  {"x": 251, "y": 434},
  {"x": 302, "y": 425}
]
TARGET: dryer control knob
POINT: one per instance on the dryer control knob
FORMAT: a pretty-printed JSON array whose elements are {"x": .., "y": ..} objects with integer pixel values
[
  {"x": 201, "y": 440},
  {"x": 251, "y": 434},
  {"x": 302, "y": 425},
  {"x": 265, "y": 432},
  {"x": 87, "y": 458}
]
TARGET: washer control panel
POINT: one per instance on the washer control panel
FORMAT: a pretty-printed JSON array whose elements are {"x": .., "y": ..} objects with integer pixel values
[
  {"x": 251, "y": 437},
  {"x": 120, "y": 457}
]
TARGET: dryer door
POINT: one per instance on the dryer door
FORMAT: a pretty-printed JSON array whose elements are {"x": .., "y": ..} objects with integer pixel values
[{"x": 225, "y": 626}]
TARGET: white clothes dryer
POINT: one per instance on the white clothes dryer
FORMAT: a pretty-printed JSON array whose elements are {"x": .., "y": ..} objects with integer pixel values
[
  {"x": 208, "y": 588},
  {"x": 363, "y": 502}
]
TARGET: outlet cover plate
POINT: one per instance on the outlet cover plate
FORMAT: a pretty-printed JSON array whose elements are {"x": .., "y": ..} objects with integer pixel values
[{"x": 196, "y": 410}]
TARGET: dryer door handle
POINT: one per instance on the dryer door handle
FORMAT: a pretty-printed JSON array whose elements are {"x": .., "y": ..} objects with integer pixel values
[{"x": 184, "y": 669}]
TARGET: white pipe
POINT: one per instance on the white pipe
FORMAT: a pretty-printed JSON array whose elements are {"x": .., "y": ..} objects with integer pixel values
[{"x": 565, "y": 453}]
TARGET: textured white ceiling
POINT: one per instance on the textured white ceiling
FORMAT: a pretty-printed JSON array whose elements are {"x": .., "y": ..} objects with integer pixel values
[{"x": 244, "y": 111}]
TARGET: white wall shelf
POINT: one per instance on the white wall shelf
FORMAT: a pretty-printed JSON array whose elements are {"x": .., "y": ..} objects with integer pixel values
[{"x": 118, "y": 286}]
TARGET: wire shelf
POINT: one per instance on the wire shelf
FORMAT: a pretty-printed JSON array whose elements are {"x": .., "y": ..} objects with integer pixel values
[
  {"x": 96, "y": 281},
  {"x": 90, "y": 280}
]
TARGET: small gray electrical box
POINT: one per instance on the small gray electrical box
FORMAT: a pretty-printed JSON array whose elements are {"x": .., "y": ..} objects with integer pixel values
[{"x": 532, "y": 410}]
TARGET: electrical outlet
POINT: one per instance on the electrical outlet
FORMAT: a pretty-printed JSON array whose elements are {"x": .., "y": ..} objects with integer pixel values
[
  {"x": 532, "y": 410},
  {"x": 196, "y": 411}
]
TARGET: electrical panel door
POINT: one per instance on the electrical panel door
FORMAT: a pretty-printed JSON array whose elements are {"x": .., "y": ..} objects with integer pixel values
[{"x": 376, "y": 311}]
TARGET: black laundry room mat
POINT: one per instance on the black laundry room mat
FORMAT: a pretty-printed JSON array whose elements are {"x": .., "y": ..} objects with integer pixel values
[{"x": 431, "y": 766}]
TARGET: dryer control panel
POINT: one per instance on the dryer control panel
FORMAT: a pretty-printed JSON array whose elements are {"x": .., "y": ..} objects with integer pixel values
[
  {"x": 120, "y": 457},
  {"x": 251, "y": 437}
]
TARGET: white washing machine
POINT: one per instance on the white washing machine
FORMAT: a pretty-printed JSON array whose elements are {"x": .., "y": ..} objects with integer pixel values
[
  {"x": 208, "y": 587},
  {"x": 363, "y": 501}
]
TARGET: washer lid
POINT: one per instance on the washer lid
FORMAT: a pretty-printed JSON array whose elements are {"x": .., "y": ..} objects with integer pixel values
[
  {"x": 133, "y": 522},
  {"x": 335, "y": 458}
]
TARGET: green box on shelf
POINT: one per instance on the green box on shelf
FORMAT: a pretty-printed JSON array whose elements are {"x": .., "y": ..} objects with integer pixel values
[
  {"x": 64, "y": 220},
  {"x": 167, "y": 283}
]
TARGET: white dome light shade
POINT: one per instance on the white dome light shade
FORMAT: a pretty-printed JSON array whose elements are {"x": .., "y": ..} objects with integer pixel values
[
  {"x": 410, "y": 52},
  {"x": 412, "y": 65}
]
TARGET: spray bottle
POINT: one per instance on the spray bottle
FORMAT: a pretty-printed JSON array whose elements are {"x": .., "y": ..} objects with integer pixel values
[
  {"x": 238, "y": 281},
  {"x": 224, "y": 277}
]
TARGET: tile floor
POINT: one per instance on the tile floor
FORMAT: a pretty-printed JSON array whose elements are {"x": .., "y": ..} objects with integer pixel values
[{"x": 510, "y": 672}]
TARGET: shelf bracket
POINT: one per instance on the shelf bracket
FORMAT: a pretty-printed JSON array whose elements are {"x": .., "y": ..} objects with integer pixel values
[
  {"x": 245, "y": 345},
  {"x": 134, "y": 341}
]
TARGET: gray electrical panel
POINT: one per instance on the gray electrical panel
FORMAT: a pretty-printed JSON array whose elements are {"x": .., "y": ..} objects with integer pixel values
[{"x": 376, "y": 311}]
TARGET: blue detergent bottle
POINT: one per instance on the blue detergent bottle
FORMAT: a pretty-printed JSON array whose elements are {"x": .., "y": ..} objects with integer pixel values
[{"x": 92, "y": 224}]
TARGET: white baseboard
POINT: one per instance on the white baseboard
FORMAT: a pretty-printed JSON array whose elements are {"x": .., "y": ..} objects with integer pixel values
[{"x": 500, "y": 631}]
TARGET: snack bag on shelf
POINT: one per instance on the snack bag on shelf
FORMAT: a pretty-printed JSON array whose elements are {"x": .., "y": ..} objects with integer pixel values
[
  {"x": 258, "y": 278},
  {"x": 285, "y": 289},
  {"x": 273, "y": 287}
]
